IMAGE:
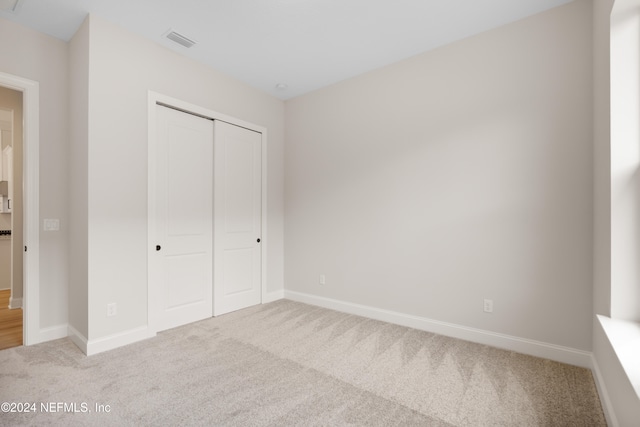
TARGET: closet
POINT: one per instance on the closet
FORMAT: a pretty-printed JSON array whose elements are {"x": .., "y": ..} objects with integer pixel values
[{"x": 205, "y": 218}]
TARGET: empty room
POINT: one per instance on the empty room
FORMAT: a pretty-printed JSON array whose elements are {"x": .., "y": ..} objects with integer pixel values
[{"x": 401, "y": 213}]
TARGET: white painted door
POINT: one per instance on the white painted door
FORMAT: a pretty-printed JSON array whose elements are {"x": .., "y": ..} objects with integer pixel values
[
  {"x": 237, "y": 224},
  {"x": 182, "y": 262}
]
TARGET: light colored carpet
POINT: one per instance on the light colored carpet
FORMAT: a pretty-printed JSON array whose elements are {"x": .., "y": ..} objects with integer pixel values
[{"x": 291, "y": 364}]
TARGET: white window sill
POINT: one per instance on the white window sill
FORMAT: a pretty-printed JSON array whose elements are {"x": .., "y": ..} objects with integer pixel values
[{"x": 624, "y": 337}]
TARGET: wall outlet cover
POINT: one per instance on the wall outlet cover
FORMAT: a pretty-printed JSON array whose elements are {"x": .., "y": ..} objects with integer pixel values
[
  {"x": 112, "y": 309},
  {"x": 488, "y": 306}
]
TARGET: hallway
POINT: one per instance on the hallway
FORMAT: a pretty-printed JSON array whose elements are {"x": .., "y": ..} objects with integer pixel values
[{"x": 10, "y": 323}]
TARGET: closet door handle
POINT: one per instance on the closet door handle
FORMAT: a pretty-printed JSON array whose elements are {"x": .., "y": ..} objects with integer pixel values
[
  {"x": 258, "y": 240},
  {"x": 158, "y": 247}
]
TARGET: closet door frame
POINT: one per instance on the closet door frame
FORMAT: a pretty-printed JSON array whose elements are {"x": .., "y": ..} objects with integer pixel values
[{"x": 155, "y": 98}]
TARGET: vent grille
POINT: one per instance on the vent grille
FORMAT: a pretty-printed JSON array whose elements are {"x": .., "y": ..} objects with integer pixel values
[
  {"x": 179, "y": 38},
  {"x": 11, "y": 6}
]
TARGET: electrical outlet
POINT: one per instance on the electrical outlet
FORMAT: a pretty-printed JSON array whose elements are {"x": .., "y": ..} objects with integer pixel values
[
  {"x": 488, "y": 306},
  {"x": 112, "y": 309},
  {"x": 323, "y": 279}
]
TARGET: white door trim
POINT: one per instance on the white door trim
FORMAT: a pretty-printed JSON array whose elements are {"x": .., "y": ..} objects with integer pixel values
[
  {"x": 158, "y": 98},
  {"x": 31, "y": 204}
]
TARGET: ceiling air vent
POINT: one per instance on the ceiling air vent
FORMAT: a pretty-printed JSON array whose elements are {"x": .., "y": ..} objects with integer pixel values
[
  {"x": 179, "y": 38},
  {"x": 12, "y": 6}
]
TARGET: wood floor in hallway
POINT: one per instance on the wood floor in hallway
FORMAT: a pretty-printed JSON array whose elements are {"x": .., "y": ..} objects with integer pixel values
[{"x": 10, "y": 323}]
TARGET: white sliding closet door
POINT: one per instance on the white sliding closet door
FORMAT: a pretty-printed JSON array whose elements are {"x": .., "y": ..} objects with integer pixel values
[
  {"x": 237, "y": 218},
  {"x": 181, "y": 264}
]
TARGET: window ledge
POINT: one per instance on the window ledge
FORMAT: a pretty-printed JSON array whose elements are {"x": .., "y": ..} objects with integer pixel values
[{"x": 624, "y": 337}]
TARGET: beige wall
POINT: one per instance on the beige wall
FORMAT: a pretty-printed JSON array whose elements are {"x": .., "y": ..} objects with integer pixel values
[
  {"x": 460, "y": 174},
  {"x": 43, "y": 59},
  {"x": 116, "y": 149}
]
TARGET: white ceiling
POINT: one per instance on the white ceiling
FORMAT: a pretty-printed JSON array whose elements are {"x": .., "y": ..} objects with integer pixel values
[{"x": 305, "y": 44}]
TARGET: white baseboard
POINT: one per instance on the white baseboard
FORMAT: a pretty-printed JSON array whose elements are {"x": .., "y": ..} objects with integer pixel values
[
  {"x": 118, "y": 340},
  {"x": 607, "y": 407},
  {"x": 520, "y": 345},
  {"x": 273, "y": 296},
  {"x": 91, "y": 347},
  {"x": 77, "y": 338},
  {"x": 15, "y": 303},
  {"x": 51, "y": 333},
  {"x": 48, "y": 334}
]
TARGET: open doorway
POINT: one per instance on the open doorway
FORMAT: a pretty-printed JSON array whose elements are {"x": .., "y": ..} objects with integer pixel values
[
  {"x": 11, "y": 218},
  {"x": 32, "y": 333}
]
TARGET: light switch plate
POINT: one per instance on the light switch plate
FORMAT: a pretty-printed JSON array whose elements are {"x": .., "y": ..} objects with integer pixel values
[{"x": 51, "y": 225}]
